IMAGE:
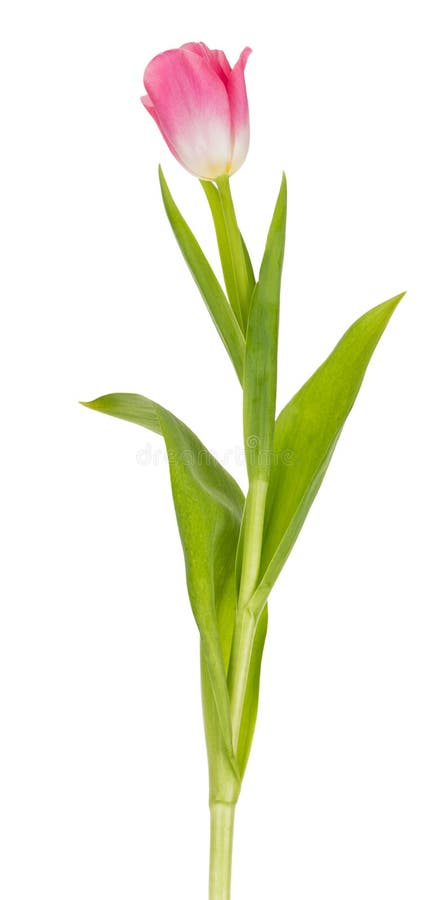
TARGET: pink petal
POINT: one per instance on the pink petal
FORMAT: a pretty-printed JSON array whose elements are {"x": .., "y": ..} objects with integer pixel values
[
  {"x": 191, "y": 108},
  {"x": 239, "y": 110},
  {"x": 147, "y": 103},
  {"x": 215, "y": 58},
  {"x": 196, "y": 47},
  {"x": 221, "y": 64}
]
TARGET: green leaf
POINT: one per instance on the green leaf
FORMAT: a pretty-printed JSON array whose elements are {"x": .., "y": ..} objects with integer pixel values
[
  {"x": 130, "y": 407},
  {"x": 306, "y": 434},
  {"x": 260, "y": 370},
  {"x": 209, "y": 287},
  {"x": 208, "y": 505}
]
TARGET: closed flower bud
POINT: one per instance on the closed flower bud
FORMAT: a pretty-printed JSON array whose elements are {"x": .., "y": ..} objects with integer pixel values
[{"x": 200, "y": 106}]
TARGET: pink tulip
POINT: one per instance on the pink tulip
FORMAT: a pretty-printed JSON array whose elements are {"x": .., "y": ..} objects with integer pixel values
[{"x": 200, "y": 106}]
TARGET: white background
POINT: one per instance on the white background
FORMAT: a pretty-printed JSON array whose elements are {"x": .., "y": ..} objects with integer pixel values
[{"x": 103, "y": 775}]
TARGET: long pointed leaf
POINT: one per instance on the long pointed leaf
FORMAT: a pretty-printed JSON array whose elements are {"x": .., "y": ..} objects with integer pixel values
[
  {"x": 130, "y": 407},
  {"x": 306, "y": 433},
  {"x": 260, "y": 370},
  {"x": 209, "y": 287},
  {"x": 208, "y": 505}
]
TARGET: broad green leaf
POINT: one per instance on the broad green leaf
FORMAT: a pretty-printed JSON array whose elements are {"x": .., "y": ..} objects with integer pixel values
[
  {"x": 208, "y": 505},
  {"x": 209, "y": 287},
  {"x": 214, "y": 504},
  {"x": 260, "y": 369},
  {"x": 130, "y": 407},
  {"x": 225, "y": 254},
  {"x": 306, "y": 433}
]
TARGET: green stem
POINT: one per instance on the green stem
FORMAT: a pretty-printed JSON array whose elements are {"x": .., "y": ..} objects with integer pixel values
[
  {"x": 252, "y": 539},
  {"x": 217, "y": 212},
  {"x": 221, "y": 850},
  {"x": 237, "y": 253}
]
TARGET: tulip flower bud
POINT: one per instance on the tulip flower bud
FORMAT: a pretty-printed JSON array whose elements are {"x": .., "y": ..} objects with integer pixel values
[{"x": 200, "y": 106}]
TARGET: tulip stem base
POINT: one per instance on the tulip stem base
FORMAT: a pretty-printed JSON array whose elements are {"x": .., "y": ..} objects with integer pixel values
[
  {"x": 221, "y": 849},
  {"x": 246, "y": 619}
]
